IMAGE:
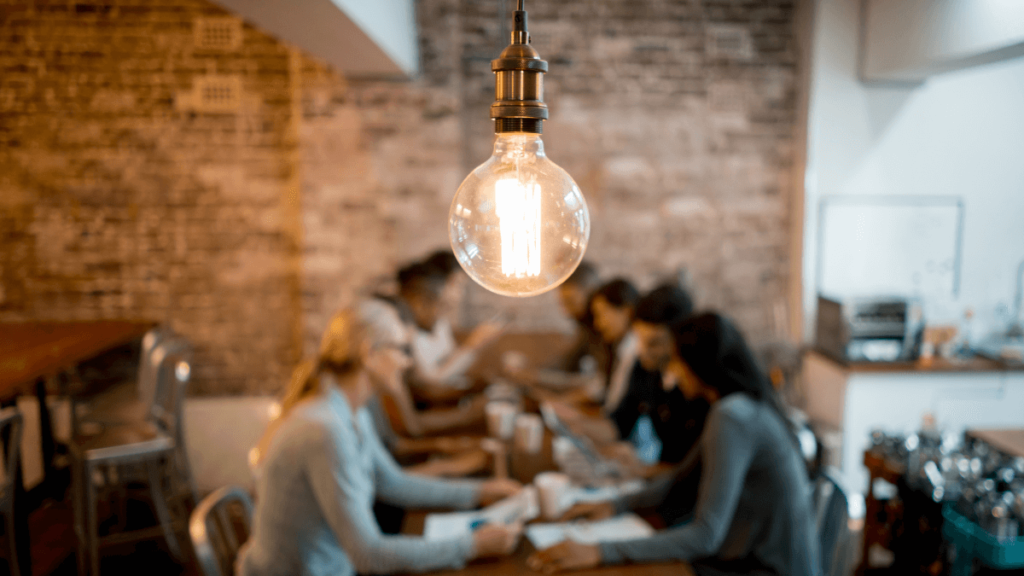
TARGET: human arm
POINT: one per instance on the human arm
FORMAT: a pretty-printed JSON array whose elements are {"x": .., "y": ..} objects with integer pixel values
[
  {"x": 406, "y": 420},
  {"x": 403, "y": 446},
  {"x": 452, "y": 466},
  {"x": 396, "y": 486},
  {"x": 455, "y": 360},
  {"x": 727, "y": 449},
  {"x": 344, "y": 496}
]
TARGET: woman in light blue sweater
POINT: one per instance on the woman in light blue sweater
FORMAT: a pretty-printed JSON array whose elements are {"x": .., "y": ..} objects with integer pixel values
[
  {"x": 753, "y": 512},
  {"x": 322, "y": 466}
]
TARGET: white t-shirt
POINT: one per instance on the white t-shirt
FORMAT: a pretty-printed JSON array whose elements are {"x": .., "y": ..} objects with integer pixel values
[{"x": 436, "y": 355}]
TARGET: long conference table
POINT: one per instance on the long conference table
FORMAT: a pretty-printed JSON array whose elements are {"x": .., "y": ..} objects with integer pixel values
[
  {"x": 515, "y": 564},
  {"x": 30, "y": 354},
  {"x": 542, "y": 350}
]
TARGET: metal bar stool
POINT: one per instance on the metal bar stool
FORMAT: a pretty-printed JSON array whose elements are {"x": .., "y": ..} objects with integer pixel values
[
  {"x": 216, "y": 533},
  {"x": 116, "y": 455}
]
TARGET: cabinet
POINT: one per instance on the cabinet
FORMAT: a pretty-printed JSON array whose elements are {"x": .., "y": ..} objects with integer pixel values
[{"x": 856, "y": 398}]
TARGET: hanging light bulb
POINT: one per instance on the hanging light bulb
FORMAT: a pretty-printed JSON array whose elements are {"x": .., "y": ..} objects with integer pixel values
[{"x": 518, "y": 223}]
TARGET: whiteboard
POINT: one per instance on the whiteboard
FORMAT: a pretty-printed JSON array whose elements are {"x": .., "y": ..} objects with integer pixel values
[{"x": 898, "y": 246}]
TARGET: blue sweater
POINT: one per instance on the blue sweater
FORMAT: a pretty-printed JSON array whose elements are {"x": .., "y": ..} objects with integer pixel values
[
  {"x": 753, "y": 502},
  {"x": 315, "y": 494}
]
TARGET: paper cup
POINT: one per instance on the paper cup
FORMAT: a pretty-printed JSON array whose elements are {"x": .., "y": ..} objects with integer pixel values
[
  {"x": 552, "y": 488},
  {"x": 529, "y": 433},
  {"x": 562, "y": 450},
  {"x": 513, "y": 361},
  {"x": 500, "y": 419}
]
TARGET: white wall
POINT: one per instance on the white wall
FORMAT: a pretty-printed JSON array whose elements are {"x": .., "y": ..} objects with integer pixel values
[
  {"x": 958, "y": 134},
  {"x": 219, "y": 432}
]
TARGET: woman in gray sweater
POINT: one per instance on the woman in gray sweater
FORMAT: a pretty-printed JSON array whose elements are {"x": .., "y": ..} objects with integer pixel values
[
  {"x": 753, "y": 512},
  {"x": 322, "y": 465}
]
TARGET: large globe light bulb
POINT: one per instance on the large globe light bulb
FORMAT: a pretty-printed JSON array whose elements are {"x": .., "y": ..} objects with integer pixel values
[{"x": 518, "y": 223}]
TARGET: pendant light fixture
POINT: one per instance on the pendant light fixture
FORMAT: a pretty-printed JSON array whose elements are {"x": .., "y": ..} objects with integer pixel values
[{"x": 519, "y": 224}]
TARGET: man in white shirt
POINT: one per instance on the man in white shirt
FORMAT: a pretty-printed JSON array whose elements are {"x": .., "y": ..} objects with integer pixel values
[{"x": 439, "y": 362}]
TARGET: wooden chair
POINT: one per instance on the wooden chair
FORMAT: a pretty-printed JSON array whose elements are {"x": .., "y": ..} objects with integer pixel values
[{"x": 219, "y": 526}]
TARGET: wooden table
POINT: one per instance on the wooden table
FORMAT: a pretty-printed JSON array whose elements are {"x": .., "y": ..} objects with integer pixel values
[
  {"x": 515, "y": 565},
  {"x": 32, "y": 352}
]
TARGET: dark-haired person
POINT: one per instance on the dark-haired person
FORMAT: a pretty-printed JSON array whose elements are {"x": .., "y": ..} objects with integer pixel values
[
  {"x": 613, "y": 306},
  {"x": 653, "y": 404},
  {"x": 574, "y": 295},
  {"x": 453, "y": 295},
  {"x": 439, "y": 361},
  {"x": 753, "y": 513}
]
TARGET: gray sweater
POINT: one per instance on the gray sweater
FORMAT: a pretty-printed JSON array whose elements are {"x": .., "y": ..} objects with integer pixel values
[
  {"x": 753, "y": 501},
  {"x": 315, "y": 495}
]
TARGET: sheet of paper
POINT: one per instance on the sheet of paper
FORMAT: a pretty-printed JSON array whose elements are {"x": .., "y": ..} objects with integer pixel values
[
  {"x": 602, "y": 493},
  {"x": 622, "y": 527},
  {"x": 522, "y": 507}
]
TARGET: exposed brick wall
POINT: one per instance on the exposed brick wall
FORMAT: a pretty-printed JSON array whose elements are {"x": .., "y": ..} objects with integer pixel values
[
  {"x": 118, "y": 200},
  {"x": 675, "y": 118}
]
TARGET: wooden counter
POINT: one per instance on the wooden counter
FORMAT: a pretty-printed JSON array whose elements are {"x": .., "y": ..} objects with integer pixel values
[
  {"x": 939, "y": 365},
  {"x": 1008, "y": 440}
]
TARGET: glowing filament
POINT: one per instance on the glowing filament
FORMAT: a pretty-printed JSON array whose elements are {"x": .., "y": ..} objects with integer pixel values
[{"x": 518, "y": 210}]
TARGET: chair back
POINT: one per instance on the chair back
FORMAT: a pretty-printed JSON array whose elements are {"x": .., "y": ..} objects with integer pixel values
[
  {"x": 10, "y": 438},
  {"x": 219, "y": 526},
  {"x": 173, "y": 371},
  {"x": 832, "y": 517},
  {"x": 146, "y": 379}
]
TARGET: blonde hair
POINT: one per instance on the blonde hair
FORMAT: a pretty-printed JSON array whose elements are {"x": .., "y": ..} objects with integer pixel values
[{"x": 371, "y": 322}]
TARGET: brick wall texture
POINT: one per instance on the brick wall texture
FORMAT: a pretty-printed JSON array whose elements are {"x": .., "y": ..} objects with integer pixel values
[{"x": 125, "y": 194}]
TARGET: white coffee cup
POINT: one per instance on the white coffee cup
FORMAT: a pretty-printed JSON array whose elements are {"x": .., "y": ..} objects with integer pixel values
[
  {"x": 514, "y": 361},
  {"x": 552, "y": 489},
  {"x": 561, "y": 450},
  {"x": 529, "y": 433},
  {"x": 500, "y": 419}
]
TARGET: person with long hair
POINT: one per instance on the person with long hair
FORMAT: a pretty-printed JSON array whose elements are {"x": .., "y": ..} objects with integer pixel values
[
  {"x": 613, "y": 306},
  {"x": 753, "y": 510},
  {"x": 322, "y": 464}
]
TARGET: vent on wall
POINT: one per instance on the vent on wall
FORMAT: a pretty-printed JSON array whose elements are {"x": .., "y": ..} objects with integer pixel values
[
  {"x": 218, "y": 93},
  {"x": 732, "y": 42},
  {"x": 212, "y": 93},
  {"x": 219, "y": 33}
]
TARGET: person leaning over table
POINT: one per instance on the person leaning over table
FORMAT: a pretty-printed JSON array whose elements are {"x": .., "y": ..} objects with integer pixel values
[
  {"x": 440, "y": 364},
  {"x": 574, "y": 296},
  {"x": 753, "y": 513},
  {"x": 654, "y": 413},
  {"x": 612, "y": 306},
  {"x": 323, "y": 464}
]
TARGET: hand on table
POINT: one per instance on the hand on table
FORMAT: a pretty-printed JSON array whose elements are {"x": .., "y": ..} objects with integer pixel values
[
  {"x": 497, "y": 489},
  {"x": 592, "y": 511},
  {"x": 496, "y": 540},
  {"x": 567, "y": 555}
]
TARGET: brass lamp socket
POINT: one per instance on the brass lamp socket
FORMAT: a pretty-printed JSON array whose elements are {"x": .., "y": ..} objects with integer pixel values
[{"x": 519, "y": 84}]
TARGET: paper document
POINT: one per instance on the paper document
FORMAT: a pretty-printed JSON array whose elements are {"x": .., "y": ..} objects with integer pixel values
[
  {"x": 519, "y": 508},
  {"x": 603, "y": 493},
  {"x": 622, "y": 527}
]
